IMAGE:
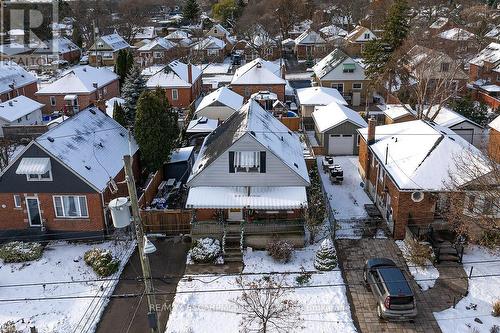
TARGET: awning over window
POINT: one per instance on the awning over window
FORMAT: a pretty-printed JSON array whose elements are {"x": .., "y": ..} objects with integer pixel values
[
  {"x": 33, "y": 166},
  {"x": 349, "y": 66}
]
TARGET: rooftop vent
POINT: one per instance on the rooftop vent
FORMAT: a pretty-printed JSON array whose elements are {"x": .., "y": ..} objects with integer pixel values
[
  {"x": 87, "y": 167},
  {"x": 51, "y": 139},
  {"x": 296, "y": 165},
  {"x": 84, "y": 69},
  {"x": 252, "y": 132},
  {"x": 92, "y": 111},
  {"x": 122, "y": 134}
]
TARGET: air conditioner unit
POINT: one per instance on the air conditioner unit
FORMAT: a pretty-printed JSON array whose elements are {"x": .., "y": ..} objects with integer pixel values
[{"x": 417, "y": 196}]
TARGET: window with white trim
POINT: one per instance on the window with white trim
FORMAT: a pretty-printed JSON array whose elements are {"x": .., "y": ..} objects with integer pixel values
[
  {"x": 53, "y": 100},
  {"x": 175, "y": 94},
  {"x": 381, "y": 173},
  {"x": 70, "y": 206},
  {"x": 157, "y": 55},
  {"x": 476, "y": 204},
  {"x": 39, "y": 177},
  {"x": 17, "y": 201},
  {"x": 339, "y": 87},
  {"x": 247, "y": 161},
  {"x": 367, "y": 35},
  {"x": 357, "y": 86}
]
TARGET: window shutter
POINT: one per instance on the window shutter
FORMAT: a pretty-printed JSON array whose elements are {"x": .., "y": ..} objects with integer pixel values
[
  {"x": 231, "y": 162},
  {"x": 262, "y": 162}
]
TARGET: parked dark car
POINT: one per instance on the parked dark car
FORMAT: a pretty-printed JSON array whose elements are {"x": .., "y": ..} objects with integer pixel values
[{"x": 395, "y": 298}]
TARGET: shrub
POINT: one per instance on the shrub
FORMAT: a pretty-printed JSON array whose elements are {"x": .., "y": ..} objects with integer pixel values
[
  {"x": 495, "y": 329},
  {"x": 9, "y": 327},
  {"x": 20, "y": 252},
  {"x": 490, "y": 239},
  {"x": 205, "y": 250},
  {"x": 326, "y": 258},
  {"x": 418, "y": 253},
  {"x": 496, "y": 308},
  {"x": 101, "y": 261},
  {"x": 304, "y": 277},
  {"x": 280, "y": 250}
]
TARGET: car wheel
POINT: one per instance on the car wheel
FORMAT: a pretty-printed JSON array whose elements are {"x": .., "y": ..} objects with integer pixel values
[{"x": 379, "y": 312}]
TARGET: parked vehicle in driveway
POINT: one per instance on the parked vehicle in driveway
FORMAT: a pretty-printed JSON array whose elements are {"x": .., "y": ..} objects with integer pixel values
[{"x": 395, "y": 298}]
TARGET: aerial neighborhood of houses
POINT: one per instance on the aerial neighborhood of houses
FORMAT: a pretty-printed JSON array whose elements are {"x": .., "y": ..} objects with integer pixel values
[{"x": 250, "y": 166}]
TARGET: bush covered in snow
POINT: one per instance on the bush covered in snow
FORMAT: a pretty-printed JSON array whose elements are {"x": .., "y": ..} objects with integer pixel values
[
  {"x": 280, "y": 250},
  {"x": 101, "y": 261},
  {"x": 326, "y": 258},
  {"x": 205, "y": 250},
  {"x": 20, "y": 252},
  {"x": 9, "y": 327}
]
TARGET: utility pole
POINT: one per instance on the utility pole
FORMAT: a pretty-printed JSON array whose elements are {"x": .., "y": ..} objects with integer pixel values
[
  {"x": 153, "y": 319},
  {"x": 94, "y": 28}
]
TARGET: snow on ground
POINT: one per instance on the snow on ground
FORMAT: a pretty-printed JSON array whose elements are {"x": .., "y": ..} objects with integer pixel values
[
  {"x": 322, "y": 309},
  {"x": 61, "y": 261},
  {"x": 348, "y": 199},
  {"x": 425, "y": 276},
  {"x": 483, "y": 291}
]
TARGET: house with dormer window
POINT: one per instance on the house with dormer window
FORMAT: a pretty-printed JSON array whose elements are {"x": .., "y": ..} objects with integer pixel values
[{"x": 250, "y": 176}]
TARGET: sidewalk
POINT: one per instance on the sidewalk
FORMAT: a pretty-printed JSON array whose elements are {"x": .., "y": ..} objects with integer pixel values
[{"x": 124, "y": 315}]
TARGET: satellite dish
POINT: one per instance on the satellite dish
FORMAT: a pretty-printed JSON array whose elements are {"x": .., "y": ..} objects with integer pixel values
[{"x": 417, "y": 196}]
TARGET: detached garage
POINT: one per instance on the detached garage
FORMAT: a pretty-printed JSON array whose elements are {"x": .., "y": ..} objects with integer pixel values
[{"x": 336, "y": 129}]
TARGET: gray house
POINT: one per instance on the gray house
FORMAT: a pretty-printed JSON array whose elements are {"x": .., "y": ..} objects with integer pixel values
[
  {"x": 250, "y": 172},
  {"x": 336, "y": 127}
]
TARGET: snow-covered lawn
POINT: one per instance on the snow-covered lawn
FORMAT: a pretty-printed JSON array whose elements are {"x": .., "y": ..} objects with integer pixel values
[
  {"x": 348, "y": 199},
  {"x": 425, "y": 276},
  {"x": 483, "y": 291},
  {"x": 61, "y": 261},
  {"x": 322, "y": 309}
]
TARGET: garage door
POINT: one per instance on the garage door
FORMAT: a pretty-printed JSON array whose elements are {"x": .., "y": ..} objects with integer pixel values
[
  {"x": 340, "y": 144},
  {"x": 467, "y": 134}
]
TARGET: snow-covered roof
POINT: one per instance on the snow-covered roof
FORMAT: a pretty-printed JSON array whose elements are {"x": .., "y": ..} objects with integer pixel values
[
  {"x": 80, "y": 79},
  {"x": 493, "y": 33},
  {"x": 421, "y": 156},
  {"x": 456, "y": 34},
  {"x": 319, "y": 96},
  {"x": 309, "y": 37},
  {"x": 495, "y": 124},
  {"x": 216, "y": 68},
  {"x": 14, "y": 48},
  {"x": 291, "y": 197},
  {"x": 333, "y": 31},
  {"x": 174, "y": 74},
  {"x": 145, "y": 33},
  {"x": 202, "y": 125},
  {"x": 210, "y": 42},
  {"x": 91, "y": 144},
  {"x": 160, "y": 42},
  {"x": 178, "y": 34},
  {"x": 11, "y": 74},
  {"x": 490, "y": 54},
  {"x": 115, "y": 42},
  {"x": 151, "y": 70},
  {"x": 258, "y": 72},
  {"x": 18, "y": 107},
  {"x": 328, "y": 116},
  {"x": 224, "y": 96},
  {"x": 181, "y": 154},
  {"x": 60, "y": 45},
  {"x": 439, "y": 23},
  {"x": 447, "y": 117},
  {"x": 253, "y": 120},
  {"x": 329, "y": 62},
  {"x": 490, "y": 87},
  {"x": 110, "y": 104},
  {"x": 396, "y": 111},
  {"x": 357, "y": 32}
]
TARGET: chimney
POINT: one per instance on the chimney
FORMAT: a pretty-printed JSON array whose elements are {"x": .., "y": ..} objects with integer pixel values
[
  {"x": 283, "y": 71},
  {"x": 372, "y": 123},
  {"x": 190, "y": 73}
]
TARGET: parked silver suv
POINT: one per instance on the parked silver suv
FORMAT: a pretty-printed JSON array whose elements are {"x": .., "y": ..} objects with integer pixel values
[{"x": 395, "y": 299}]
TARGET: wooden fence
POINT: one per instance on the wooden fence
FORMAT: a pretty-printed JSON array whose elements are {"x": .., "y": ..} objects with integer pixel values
[
  {"x": 293, "y": 124},
  {"x": 151, "y": 189},
  {"x": 18, "y": 132},
  {"x": 169, "y": 221}
]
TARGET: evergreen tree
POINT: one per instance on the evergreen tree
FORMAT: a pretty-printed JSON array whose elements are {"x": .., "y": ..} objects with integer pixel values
[
  {"x": 124, "y": 61},
  {"x": 191, "y": 11},
  {"x": 77, "y": 36},
  {"x": 377, "y": 53},
  {"x": 132, "y": 88},
  {"x": 326, "y": 258},
  {"x": 119, "y": 114},
  {"x": 467, "y": 107},
  {"x": 156, "y": 129}
]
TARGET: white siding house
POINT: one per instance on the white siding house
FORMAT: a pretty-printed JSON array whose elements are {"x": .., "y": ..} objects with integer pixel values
[{"x": 20, "y": 111}]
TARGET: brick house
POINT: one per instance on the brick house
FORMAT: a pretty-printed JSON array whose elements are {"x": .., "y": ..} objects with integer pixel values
[
  {"x": 78, "y": 88},
  {"x": 398, "y": 113},
  {"x": 494, "y": 140},
  {"x": 310, "y": 45},
  {"x": 338, "y": 70},
  {"x": 484, "y": 75},
  {"x": 219, "y": 32},
  {"x": 16, "y": 81},
  {"x": 107, "y": 50},
  {"x": 356, "y": 40},
  {"x": 250, "y": 173},
  {"x": 259, "y": 75},
  {"x": 60, "y": 48},
  {"x": 181, "y": 82},
  {"x": 406, "y": 168},
  {"x": 158, "y": 51},
  {"x": 209, "y": 49},
  {"x": 59, "y": 183}
]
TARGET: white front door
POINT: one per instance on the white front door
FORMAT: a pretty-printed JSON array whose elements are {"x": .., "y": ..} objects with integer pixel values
[
  {"x": 34, "y": 215},
  {"x": 235, "y": 214},
  {"x": 341, "y": 144}
]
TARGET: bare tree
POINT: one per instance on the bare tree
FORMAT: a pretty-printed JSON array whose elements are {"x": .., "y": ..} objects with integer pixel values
[
  {"x": 7, "y": 149},
  {"x": 473, "y": 208},
  {"x": 265, "y": 305}
]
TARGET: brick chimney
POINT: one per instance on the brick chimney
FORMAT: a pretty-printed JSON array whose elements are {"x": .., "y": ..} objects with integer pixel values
[
  {"x": 372, "y": 123},
  {"x": 190, "y": 73}
]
